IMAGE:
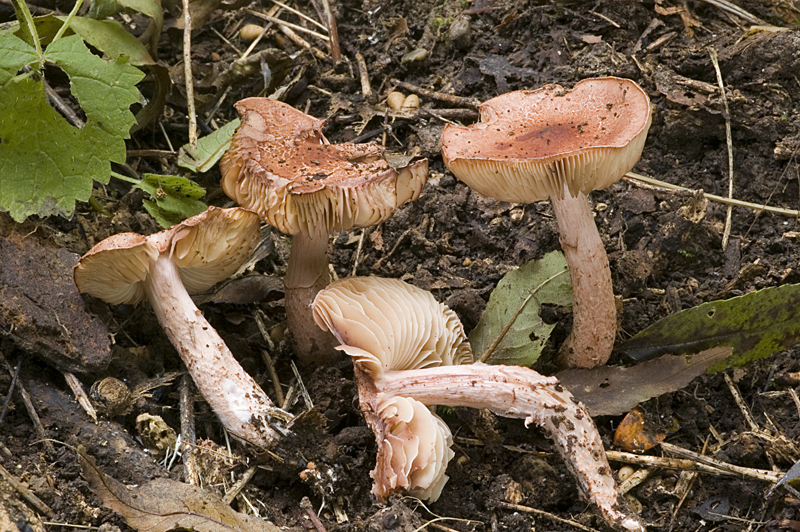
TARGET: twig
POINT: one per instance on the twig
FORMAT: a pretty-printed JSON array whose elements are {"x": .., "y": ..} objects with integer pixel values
[
  {"x": 267, "y": 358},
  {"x": 26, "y": 493},
  {"x": 300, "y": 14},
  {"x": 312, "y": 515},
  {"x": 188, "y": 436},
  {"x": 366, "y": 89},
  {"x": 80, "y": 395},
  {"x": 740, "y": 402},
  {"x": 37, "y": 423},
  {"x": 333, "y": 32},
  {"x": 735, "y": 10},
  {"x": 357, "y": 256},
  {"x": 10, "y": 393},
  {"x": 187, "y": 74},
  {"x": 528, "y": 509},
  {"x": 285, "y": 24},
  {"x": 630, "y": 176},
  {"x": 759, "y": 474},
  {"x": 712, "y": 52},
  {"x": 306, "y": 397},
  {"x": 693, "y": 465},
  {"x": 240, "y": 484},
  {"x": 441, "y": 96}
]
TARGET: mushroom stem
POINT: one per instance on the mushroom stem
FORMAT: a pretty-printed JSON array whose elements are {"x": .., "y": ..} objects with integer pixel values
[
  {"x": 517, "y": 392},
  {"x": 239, "y": 402},
  {"x": 306, "y": 274},
  {"x": 594, "y": 312}
]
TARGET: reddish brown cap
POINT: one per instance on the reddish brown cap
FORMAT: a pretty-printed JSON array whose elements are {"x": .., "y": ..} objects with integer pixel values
[
  {"x": 530, "y": 145},
  {"x": 207, "y": 248},
  {"x": 280, "y": 165}
]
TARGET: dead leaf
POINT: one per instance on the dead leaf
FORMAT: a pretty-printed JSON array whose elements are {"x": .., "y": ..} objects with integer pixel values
[
  {"x": 162, "y": 504},
  {"x": 614, "y": 390},
  {"x": 635, "y": 435}
]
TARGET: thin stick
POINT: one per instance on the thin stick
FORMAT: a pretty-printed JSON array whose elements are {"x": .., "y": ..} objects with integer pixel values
[
  {"x": 729, "y": 138},
  {"x": 357, "y": 256},
  {"x": 80, "y": 395},
  {"x": 300, "y": 14},
  {"x": 285, "y": 24},
  {"x": 187, "y": 73},
  {"x": 26, "y": 493},
  {"x": 240, "y": 484},
  {"x": 631, "y": 176},
  {"x": 10, "y": 393},
  {"x": 188, "y": 436},
  {"x": 336, "y": 52},
  {"x": 692, "y": 465},
  {"x": 740, "y": 402},
  {"x": 528, "y": 509},
  {"x": 37, "y": 423},
  {"x": 441, "y": 96},
  {"x": 759, "y": 474},
  {"x": 363, "y": 74}
]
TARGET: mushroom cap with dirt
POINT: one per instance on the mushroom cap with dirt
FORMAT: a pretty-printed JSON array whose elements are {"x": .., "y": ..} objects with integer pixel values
[
  {"x": 408, "y": 351},
  {"x": 281, "y": 166},
  {"x": 163, "y": 268},
  {"x": 560, "y": 144}
]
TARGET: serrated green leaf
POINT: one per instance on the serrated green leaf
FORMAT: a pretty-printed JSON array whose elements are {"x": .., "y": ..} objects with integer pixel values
[
  {"x": 755, "y": 325},
  {"x": 111, "y": 38},
  {"x": 45, "y": 163},
  {"x": 14, "y": 54},
  {"x": 510, "y": 330},
  {"x": 175, "y": 198},
  {"x": 209, "y": 149},
  {"x": 105, "y": 89}
]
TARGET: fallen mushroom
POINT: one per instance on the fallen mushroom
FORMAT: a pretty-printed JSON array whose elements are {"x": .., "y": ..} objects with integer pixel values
[
  {"x": 560, "y": 144},
  {"x": 163, "y": 268},
  {"x": 408, "y": 348},
  {"x": 281, "y": 166}
]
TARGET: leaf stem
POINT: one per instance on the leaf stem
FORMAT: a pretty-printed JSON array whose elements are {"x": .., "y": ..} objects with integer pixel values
[
  {"x": 27, "y": 26},
  {"x": 125, "y": 178},
  {"x": 489, "y": 350},
  {"x": 67, "y": 22}
]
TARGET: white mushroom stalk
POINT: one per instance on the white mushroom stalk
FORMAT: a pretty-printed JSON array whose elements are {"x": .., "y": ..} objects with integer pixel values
[
  {"x": 281, "y": 166},
  {"x": 198, "y": 252},
  {"x": 560, "y": 144},
  {"x": 408, "y": 348}
]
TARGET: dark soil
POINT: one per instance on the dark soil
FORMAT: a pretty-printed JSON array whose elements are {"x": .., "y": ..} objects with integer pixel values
[{"x": 665, "y": 249}]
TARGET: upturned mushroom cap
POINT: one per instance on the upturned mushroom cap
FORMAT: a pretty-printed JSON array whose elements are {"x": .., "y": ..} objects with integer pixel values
[
  {"x": 386, "y": 324},
  {"x": 280, "y": 165},
  {"x": 207, "y": 248},
  {"x": 529, "y": 145},
  {"x": 414, "y": 451},
  {"x": 114, "y": 269}
]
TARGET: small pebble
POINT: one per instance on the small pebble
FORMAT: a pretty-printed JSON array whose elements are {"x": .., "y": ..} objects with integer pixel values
[
  {"x": 467, "y": 262},
  {"x": 414, "y": 55},
  {"x": 250, "y": 31},
  {"x": 395, "y": 100}
]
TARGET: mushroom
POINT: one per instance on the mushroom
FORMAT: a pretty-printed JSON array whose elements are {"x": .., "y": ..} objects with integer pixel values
[
  {"x": 407, "y": 348},
  {"x": 163, "y": 268},
  {"x": 560, "y": 144},
  {"x": 281, "y": 166}
]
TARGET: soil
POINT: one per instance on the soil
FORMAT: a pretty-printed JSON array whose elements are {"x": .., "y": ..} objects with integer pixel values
[{"x": 665, "y": 249}]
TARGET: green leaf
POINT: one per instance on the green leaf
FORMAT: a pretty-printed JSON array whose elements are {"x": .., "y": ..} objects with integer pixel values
[
  {"x": 510, "y": 330},
  {"x": 45, "y": 163},
  {"x": 755, "y": 325},
  {"x": 151, "y": 8},
  {"x": 105, "y": 89},
  {"x": 209, "y": 149},
  {"x": 111, "y": 38},
  {"x": 14, "y": 54},
  {"x": 175, "y": 198}
]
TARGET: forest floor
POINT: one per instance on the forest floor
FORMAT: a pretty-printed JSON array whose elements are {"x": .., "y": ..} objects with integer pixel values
[{"x": 665, "y": 249}]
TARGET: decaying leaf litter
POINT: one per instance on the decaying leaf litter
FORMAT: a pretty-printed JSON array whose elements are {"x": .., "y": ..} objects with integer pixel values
[{"x": 665, "y": 248}]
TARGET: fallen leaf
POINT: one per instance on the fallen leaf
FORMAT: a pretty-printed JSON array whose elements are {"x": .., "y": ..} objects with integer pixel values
[
  {"x": 163, "y": 504},
  {"x": 510, "y": 330},
  {"x": 634, "y": 434},
  {"x": 755, "y": 325},
  {"x": 614, "y": 390}
]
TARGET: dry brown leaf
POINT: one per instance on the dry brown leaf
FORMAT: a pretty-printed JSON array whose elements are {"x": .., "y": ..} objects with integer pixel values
[
  {"x": 613, "y": 390},
  {"x": 163, "y": 504}
]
